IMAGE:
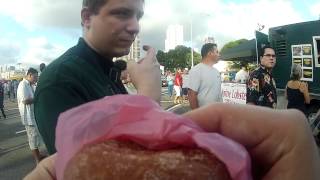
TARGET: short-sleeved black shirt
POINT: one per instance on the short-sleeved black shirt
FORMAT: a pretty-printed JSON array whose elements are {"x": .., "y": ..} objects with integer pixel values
[{"x": 80, "y": 75}]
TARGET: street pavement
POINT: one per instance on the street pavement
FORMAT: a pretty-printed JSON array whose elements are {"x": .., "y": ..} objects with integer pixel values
[{"x": 15, "y": 156}]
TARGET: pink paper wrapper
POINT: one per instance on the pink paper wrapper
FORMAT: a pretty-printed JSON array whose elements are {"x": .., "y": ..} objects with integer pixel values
[{"x": 141, "y": 120}]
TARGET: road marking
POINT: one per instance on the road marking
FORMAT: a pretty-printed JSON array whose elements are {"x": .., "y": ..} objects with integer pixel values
[
  {"x": 173, "y": 107},
  {"x": 18, "y": 132},
  {"x": 9, "y": 116},
  {"x": 12, "y": 109},
  {"x": 13, "y": 148}
]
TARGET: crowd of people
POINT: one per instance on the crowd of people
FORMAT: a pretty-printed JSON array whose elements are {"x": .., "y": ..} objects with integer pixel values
[
  {"x": 2, "y": 95},
  {"x": 280, "y": 143},
  {"x": 8, "y": 90},
  {"x": 177, "y": 84},
  {"x": 22, "y": 92},
  {"x": 202, "y": 85}
]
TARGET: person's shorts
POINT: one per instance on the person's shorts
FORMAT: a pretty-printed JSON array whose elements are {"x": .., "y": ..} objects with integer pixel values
[
  {"x": 177, "y": 90},
  {"x": 33, "y": 137}
]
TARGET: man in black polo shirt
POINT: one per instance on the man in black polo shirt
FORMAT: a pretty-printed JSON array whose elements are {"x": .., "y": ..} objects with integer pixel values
[{"x": 86, "y": 71}]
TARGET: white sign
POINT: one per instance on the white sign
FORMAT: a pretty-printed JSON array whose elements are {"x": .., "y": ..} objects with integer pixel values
[
  {"x": 234, "y": 93},
  {"x": 162, "y": 69}
]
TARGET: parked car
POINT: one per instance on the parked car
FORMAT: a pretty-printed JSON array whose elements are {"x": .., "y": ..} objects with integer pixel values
[{"x": 164, "y": 81}]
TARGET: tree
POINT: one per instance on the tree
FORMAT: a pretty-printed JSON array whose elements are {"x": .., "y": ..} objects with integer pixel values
[
  {"x": 235, "y": 65},
  {"x": 232, "y": 44},
  {"x": 180, "y": 57},
  {"x": 196, "y": 58},
  {"x": 161, "y": 56}
]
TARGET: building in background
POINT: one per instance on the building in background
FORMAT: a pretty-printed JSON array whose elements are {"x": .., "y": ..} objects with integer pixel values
[
  {"x": 174, "y": 37},
  {"x": 12, "y": 68},
  {"x": 209, "y": 40},
  {"x": 10, "y": 72},
  {"x": 13, "y": 74},
  {"x": 134, "y": 51}
]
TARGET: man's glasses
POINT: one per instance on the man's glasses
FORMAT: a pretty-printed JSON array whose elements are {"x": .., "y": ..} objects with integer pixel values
[{"x": 269, "y": 55}]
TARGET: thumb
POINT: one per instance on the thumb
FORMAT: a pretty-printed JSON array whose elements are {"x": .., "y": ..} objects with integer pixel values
[{"x": 151, "y": 52}]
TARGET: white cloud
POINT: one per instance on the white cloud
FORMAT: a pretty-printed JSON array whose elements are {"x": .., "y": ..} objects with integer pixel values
[
  {"x": 32, "y": 53},
  {"x": 37, "y": 42},
  {"x": 227, "y": 20},
  {"x": 224, "y": 20},
  {"x": 40, "y": 50},
  {"x": 152, "y": 11},
  {"x": 315, "y": 10},
  {"x": 43, "y": 13},
  {"x": 240, "y": 20},
  {"x": 9, "y": 51}
]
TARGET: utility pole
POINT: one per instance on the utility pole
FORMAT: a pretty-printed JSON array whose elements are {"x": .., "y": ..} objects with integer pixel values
[{"x": 191, "y": 42}]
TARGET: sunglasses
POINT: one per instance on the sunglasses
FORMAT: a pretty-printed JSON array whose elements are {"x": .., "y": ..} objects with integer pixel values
[{"x": 269, "y": 55}]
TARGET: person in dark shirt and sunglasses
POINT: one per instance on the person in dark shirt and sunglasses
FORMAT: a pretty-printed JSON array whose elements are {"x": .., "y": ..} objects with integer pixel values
[{"x": 261, "y": 87}]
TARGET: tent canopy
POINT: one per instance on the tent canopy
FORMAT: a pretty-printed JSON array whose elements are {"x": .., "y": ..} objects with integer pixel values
[{"x": 243, "y": 52}]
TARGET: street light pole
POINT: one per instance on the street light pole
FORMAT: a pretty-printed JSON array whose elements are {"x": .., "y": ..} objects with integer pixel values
[
  {"x": 191, "y": 24},
  {"x": 191, "y": 42}
]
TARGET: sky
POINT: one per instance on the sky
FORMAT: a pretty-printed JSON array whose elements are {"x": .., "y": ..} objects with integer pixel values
[{"x": 36, "y": 31}]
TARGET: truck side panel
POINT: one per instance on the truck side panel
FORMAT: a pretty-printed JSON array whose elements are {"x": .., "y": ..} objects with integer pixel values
[{"x": 282, "y": 38}]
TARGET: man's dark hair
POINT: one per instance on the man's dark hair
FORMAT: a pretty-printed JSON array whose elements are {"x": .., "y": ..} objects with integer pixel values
[
  {"x": 120, "y": 64},
  {"x": 206, "y": 48},
  {"x": 42, "y": 66},
  {"x": 93, "y": 5},
  {"x": 32, "y": 71},
  {"x": 264, "y": 49}
]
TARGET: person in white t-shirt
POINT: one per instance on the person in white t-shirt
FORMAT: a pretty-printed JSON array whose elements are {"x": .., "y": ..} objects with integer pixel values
[
  {"x": 204, "y": 79},
  {"x": 242, "y": 75},
  {"x": 25, "y": 95}
]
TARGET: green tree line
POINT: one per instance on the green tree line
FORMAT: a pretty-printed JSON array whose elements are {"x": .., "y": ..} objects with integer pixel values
[
  {"x": 180, "y": 57},
  {"x": 232, "y": 44}
]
